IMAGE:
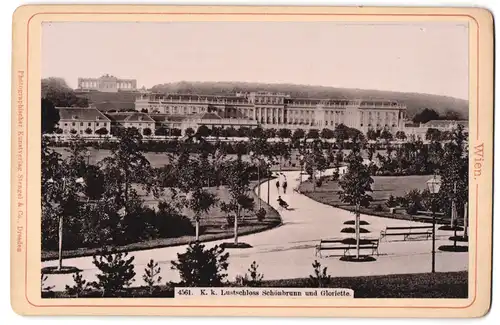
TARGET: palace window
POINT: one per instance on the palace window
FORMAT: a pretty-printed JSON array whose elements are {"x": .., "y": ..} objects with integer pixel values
[
  {"x": 73, "y": 123},
  {"x": 81, "y": 123},
  {"x": 89, "y": 124}
]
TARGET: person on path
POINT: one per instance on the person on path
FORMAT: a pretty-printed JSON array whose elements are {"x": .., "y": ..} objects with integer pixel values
[
  {"x": 284, "y": 186},
  {"x": 282, "y": 203},
  {"x": 278, "y": 186}
]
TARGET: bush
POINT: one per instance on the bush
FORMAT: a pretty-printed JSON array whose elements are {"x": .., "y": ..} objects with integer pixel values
[
  {"x": 45, "y": 288},
  {"x": 391, "y": 202},
  {"x": 80, "y": 288},
  {"x": 378, "y": 208},
  {"x": 117, "y": 272},
  {"x": 319, "y": 279},
  {"x": 261, "y": 214},
  {"x": 200, "y": 267},
  {"x": 352, "y": 230},
  {"x": 252, "y": 279}
]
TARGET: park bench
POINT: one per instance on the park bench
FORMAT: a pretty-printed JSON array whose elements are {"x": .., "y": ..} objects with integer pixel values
[
  {"x": 406, "y": 232},
  {"x": 339, "y": 244}
]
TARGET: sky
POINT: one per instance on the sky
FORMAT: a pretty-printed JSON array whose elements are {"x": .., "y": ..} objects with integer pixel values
[{"x": 424, "y": 57}]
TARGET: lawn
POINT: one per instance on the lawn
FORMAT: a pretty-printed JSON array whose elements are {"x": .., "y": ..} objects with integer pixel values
[
  {"x": 213, "y": 226},
  {"x": 422, "y": 285},
  {"x": 383, "y": 187}
]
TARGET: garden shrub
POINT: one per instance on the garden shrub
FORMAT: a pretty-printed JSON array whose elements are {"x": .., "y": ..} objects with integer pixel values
[
  {"x": 320, "y": 279},
  {"x": 116, "y": 273},
  {"x": 261, "y": 214},
  {"x": 200, "y": 267}
]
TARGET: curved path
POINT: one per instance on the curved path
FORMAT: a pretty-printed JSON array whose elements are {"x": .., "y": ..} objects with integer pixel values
[{"x": 288, "y": 251}]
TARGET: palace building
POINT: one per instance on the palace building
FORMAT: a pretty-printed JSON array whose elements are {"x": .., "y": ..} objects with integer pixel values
[
  {"x": 106, "y": 83},
  {"x": 82, "y": 121},
  {"x": 278, "y": 110}
]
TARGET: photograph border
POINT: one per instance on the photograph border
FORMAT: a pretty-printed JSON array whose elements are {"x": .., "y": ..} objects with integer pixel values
[{"x": 26, "y": 57}]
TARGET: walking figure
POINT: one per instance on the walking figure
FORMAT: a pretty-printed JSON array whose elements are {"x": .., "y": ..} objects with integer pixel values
[
  {"x": 284, "y": 186},
  {"x": 278, "y": 186}
]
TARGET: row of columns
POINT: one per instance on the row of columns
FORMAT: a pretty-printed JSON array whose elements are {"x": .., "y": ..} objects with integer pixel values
[
  {"x": 266, "y": 115},
  {"x": 95, "y": 84}
]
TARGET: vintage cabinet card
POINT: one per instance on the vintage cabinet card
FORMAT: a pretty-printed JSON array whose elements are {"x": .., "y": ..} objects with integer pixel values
[{"x": 252, "y": 161}]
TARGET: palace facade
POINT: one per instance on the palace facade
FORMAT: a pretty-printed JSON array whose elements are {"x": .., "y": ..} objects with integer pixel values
[
  {"x": 279, "y": 110},
  {"x": 107, "y": 83}
]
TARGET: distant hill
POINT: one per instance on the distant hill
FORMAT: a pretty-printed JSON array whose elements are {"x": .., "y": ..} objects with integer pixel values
[
  {"x": 414, "y": 101},
  {"x": 105, "y": 101}
]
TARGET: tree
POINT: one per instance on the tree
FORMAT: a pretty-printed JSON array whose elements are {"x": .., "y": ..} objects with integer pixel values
[
  {"x": 400, "y": 135},
  {"x": 284, "y": 133},
  {"x": 371, "y": 151},
  {"x": 433, "y": 134},
  {"x": 326, "y": 133},
  {"x": 371, "y": 134},
  {"x": 151, "y": 275},
  {"x": 425, "y": 116},
  {"x": 355, "y": 184},
  {"x": 257, "y": 132},
  {"x": 126, "y": 165},
  {"x": 175, "y": 132},
  {"x": 201, "y": 202},
  {"x": 88, "y": 131},
  {"x": 50, "y": 116},
  {"x": 162, "y": 131},
  {"x": 189, "y": 132},
  {"x": 258, "y": 150},
  {"x": 73, "y": 131},
  {"x": 94, "y": 182},
  {"x": 237, "y": 177},
  {"x": 200, "y": 267},
  {"x": 298, "y": 134},
  {"x": 57, "y": 91},
  {"x": 386, "y": 135},
  {"x": 101, "y": 131},
  {"x": 452, "y": 115},
  {"x": 313, "y": 134},
  {"x": 147, "y": 132},
  {"x": 116, "y": 273},
  {"x": 455, "y": 173},
  {"x": 270, "y": 133},
  {"x": 341, "y": 133},
  {"x": 203, "y": 131}
]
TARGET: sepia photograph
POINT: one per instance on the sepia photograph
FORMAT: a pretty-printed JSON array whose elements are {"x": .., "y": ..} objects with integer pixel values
[{"x": 267, "y": 158}]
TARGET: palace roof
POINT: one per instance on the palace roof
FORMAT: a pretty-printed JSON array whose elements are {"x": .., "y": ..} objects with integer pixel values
[
  {"x": 446, "y": 123},
  {"x": 81, "y": 114},
  {"x": 130, "y": 117}
]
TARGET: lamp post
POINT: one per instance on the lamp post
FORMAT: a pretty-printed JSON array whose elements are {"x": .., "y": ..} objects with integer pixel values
[
  {"x": 434, "y": 184},
  {"x": 301, "y": 161},
  {"x": 269, "y": 179},
  {"x": 61, "y": 219},
  {"x": 251, "y": 153}
]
